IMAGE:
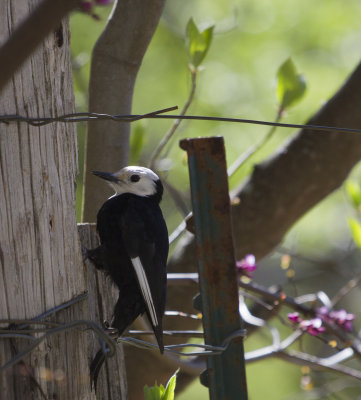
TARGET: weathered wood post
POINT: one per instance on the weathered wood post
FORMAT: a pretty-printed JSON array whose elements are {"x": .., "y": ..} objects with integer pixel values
[{"x": 40, "y": 258}]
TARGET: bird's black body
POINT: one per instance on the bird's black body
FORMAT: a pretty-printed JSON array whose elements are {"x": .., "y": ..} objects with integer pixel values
[
  {"x": 132, "y": 226},
  {"x": 133, "y": 233}
]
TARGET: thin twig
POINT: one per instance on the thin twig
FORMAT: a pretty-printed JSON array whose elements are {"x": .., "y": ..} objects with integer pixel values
[
  {"x": 176, "y": 123},
  {"x": 176, "y": 197},
  {"x": 276, "y": 297},
  {"x": 241, "y": 160},
  {"x": 314, "y": 362},
  {"x": 351, "y": 284},
  {"x": 299, "y": 358}
]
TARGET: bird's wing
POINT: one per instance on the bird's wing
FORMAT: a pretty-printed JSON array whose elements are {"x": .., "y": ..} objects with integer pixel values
[
  {"x": 140, "y": 246},
  {"x": 145, "y": 289}
]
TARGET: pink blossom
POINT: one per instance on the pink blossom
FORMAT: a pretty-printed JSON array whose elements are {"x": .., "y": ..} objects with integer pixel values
[
  {"x": 311, "y": 326},
  {"x": 247, "y": 265},
  {"x": 340, "y": 317},
  {"x": 294, "y": 317}
]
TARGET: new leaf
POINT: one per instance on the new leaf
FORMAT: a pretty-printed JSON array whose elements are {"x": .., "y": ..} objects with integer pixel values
[
  {"x": 354, "y": 193},
  {"x": 197, "y": 42},
  {"x": 356, "y": 231},
  {"x": 154, "y": 392},
  {"x": 291, "y": 86},
  {"x": 159, "y": 393}
]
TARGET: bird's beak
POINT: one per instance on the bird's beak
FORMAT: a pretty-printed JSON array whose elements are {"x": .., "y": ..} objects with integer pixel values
[{"x": 107, "y": 176}]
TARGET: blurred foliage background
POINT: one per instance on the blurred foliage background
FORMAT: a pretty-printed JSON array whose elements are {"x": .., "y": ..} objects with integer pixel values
[{"x": 251, "y": 40}]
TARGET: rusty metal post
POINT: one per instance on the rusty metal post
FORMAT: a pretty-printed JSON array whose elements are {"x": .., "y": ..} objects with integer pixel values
[{"x": 225, "y": 375}]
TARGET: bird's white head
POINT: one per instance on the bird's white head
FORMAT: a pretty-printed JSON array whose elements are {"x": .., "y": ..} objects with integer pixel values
[{"x": 140, "y": 181}]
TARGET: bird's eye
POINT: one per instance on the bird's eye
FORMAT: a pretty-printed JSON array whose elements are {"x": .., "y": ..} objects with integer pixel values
[{"x": 135, "y": 178}]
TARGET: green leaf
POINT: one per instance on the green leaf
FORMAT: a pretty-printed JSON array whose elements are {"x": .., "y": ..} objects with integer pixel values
[
  {"x": 356, "y": 231},
  {"x": 354, "y": 193},
  {"x": 169, "y": 391},
  {"x": 159, "y": 392},
  {"x": 197, "y": 42},
  {"x": 154, "y": 392},
  {"x": 291, "y": 86}
]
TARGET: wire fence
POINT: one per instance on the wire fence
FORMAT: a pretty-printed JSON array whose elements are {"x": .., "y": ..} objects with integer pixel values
[
  {"x": 159, "y": 114},
  {"x": 26, "y": 329},
  {"x": 38, "y": 329}
]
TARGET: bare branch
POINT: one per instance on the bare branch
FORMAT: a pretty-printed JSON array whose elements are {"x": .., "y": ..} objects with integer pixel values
[
  {"x": 302, "y": 173},
  {"x": 351, "y": 284},
  {"x": 243, "y": 158},
  {"x": 170, "y": 133},
  {"x": 318, "y": 363}
]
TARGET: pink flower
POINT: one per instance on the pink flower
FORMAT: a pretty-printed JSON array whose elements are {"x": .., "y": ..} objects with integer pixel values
[
  {"x": 339, "y": 317},
  {"x": 294, "y": 317},
  {"x": 247, "y": 265},
  {"x": 311, "y": 326},
  {"x": 322, "y": 311}
]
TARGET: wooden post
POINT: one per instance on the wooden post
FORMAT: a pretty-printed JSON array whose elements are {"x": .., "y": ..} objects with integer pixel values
[
  {"x": 40, "y": 258},
  {"x": 101, "y": 300}
]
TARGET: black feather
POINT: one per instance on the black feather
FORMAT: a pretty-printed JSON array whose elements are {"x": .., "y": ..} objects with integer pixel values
[{"x": 132, "y": 226}]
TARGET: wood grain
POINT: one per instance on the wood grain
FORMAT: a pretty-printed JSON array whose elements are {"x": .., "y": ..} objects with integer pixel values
[{"x": 40, "y": 257}]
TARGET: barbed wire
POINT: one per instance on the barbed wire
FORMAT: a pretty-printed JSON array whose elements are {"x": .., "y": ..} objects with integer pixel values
[
  {"x": 89, "y": 116},
  {"x": 23, "y": 329},
  {"x": 80, "y": 117}
]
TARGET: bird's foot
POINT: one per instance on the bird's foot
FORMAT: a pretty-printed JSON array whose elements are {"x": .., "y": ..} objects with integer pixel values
[{"x": 110, "y": 330}]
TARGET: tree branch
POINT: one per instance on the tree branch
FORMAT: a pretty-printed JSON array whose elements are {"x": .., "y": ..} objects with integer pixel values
[
  {"x": 281, "y": 189},
  {"x": 302, "y": 173}
]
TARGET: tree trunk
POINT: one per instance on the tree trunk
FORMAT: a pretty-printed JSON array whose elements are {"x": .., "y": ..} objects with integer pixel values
[
  {"x": 116, "y": 59},
  {"x": 40, "y": 256}
]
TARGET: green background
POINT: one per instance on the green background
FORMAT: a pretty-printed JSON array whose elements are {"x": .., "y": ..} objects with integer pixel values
[{"x": 251, "y": 40}]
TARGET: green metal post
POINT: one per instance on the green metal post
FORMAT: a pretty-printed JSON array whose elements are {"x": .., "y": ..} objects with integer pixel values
[{"x": 225, "y": 375}]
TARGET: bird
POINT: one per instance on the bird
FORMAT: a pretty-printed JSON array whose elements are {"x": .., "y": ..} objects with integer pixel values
[{"x": 133, "y": 250}]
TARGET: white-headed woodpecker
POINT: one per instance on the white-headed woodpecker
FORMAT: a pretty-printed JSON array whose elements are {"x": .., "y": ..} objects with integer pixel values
[{"x": 133, "y": 250}]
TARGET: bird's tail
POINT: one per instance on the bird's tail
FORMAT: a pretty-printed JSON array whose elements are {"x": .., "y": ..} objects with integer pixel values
[
  {"x": 158, "y": 332},
  {"x": 95, "y": 368}
]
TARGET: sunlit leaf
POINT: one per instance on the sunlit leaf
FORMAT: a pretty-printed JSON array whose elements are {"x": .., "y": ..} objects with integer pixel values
[
  {"x": 291, "y": 86},
  {"x": 354, "y": 193},
  {"x": 355, "y": 231},
  {"x": 154, "y": 392},
  {"x": 169, "y": 391},
  {"x": 159, "y": 392},
  {"x": 197, "y": 42}
]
